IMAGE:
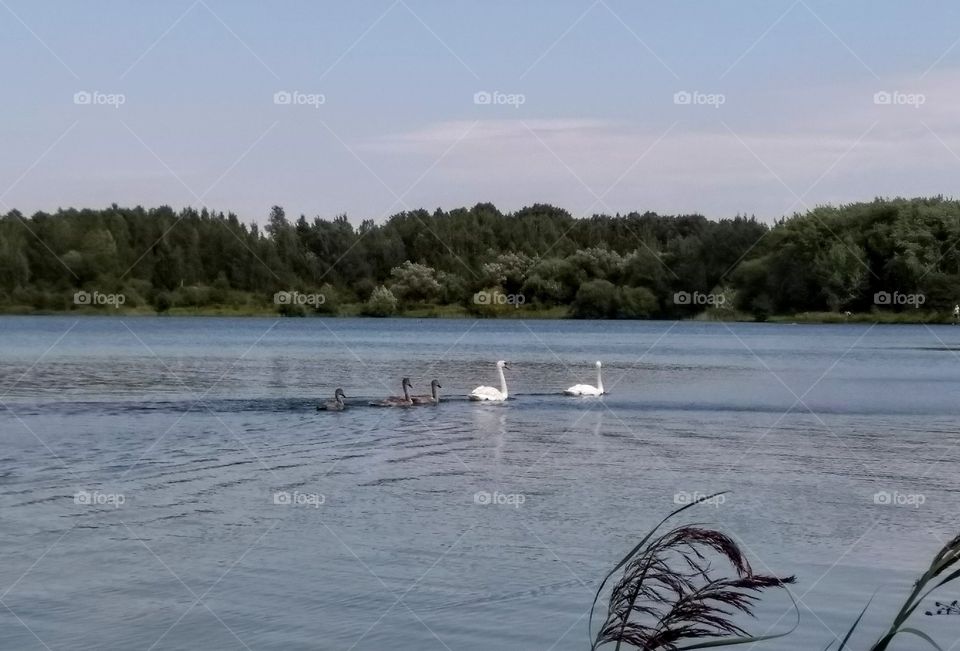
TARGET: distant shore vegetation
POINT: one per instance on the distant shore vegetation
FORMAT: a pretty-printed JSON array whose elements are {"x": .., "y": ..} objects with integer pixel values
[{"x": 890, "y": 260}]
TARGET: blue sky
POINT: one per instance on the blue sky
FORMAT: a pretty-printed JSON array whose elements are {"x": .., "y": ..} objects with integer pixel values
[{"x": 783, "y": 111}]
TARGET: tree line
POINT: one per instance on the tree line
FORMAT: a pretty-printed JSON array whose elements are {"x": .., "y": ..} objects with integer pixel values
[{"x": 481, "y": 260}]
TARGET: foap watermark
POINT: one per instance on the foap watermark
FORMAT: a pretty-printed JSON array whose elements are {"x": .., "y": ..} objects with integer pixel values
[
  {"x": 897, "y": 298},
  {"x": 696, "y": 98},
  {"x": 297, "y": 298},
  {"x": 483, "y": 498},
  {"x": 896, "y": 498},
  {"x": 898, "y": 98},
  {"x": 296, "y": 498},
  {"x": 698, "y": 298},
  {"x": 96, "y": 498},
  {"x": 98, "y": 299},
  {"x": 683, "y": 498},
  {"x": 298, "y": 98},
  {"x": 499, "y": 298},
  {"x": 96, "y": 98},
  {"x": 496, "y": 98}
]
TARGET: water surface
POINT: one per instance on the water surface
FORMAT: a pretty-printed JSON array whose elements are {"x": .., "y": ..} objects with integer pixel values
[{"x": 197, "y": 424}]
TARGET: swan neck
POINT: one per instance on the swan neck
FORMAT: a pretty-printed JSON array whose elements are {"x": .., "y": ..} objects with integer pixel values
[
  {"x": 599, "y": 381},
  {"x": 503, "y": 383},
  {"x": 406, "y": 393}
]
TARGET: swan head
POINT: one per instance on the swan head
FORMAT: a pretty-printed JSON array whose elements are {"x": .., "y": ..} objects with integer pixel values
[
  {"x": 339, "y": 394},
  {"x": 406, "y": 382},
  {"x": 502, "y": 364},
  {"x": 598, "y": 364},
  {"x": 435, "y": 384}
]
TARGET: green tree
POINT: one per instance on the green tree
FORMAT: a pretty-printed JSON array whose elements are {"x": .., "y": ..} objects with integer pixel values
[{"x": 840, "y": 270}]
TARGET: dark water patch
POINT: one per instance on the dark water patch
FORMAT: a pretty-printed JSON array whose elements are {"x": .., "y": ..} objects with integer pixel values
[
  {"x": 181, "y": 468},
  {"x": 286, "y": 466},
  {"x": 384, "y": 481},
  {"x": 446, "y": 473},
  {"x": 939, "y": 348},
  {"x": 44, "y": 500},
  {"x": 175, "y": 516},
  {"x": 348, "y": 457},
  {"x": 233, "y": 483},
  {"x": 414, "y": 457}
]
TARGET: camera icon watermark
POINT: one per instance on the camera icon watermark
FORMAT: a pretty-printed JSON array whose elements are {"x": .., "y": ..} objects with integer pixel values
[
  {"x": 683, "y": 498},
  {"x": 297, "y": 298},
  {"x": 98, "y": 299},
  {"x": 896, "y": 498},
  {"x": 498, "y": 298},
  {"x": 297, "y": 98},
  {"x": 296, "y": 498},
  {"x": 496, "y": 498},
  {"x": 696, "y": 98},
  {"x": 897, "y": 98},
  {"x": 96, "y": 498},
  {"x": 496, "y": 98},
  {"x": 899, "y": 299},
  {"x": 96, "y": 98},
  {"x": 698, "y": 298}
]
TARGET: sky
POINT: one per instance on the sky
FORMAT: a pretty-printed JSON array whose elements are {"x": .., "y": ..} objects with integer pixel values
[{"x": 369, "y": 108}]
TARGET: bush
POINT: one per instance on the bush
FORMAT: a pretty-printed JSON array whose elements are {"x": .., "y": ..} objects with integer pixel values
[
  {"x": 543, "y": 290},
  {"x": 453, "y": 288},
  {"x": 494, "y": 301},
  {"x": 363, "y": 289},
  {"x": 415, "y": 282},
  {"x": 761, "y": 307},
  {"x": 596, "y": 299},
  {"x": 287, "y": 309},
  {"x": 196, "y": 296},
  {"x": 331, "y": 300},
  {"x": 636, "y": 303},
  {"x": 382, "y": 302},
  {"x": 162, "y": 302}
]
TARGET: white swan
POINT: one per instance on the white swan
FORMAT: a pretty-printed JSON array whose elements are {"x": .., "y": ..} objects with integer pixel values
[
  {"x": 586, "y": 389},
  {"x": 490, "y": 393}
]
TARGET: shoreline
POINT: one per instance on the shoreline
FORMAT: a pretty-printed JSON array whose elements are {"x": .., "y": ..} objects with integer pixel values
[{"x": 454, "y": 312}]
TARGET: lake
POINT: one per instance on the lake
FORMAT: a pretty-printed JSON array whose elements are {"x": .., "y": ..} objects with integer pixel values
[{"x": 166, "y": 483}]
